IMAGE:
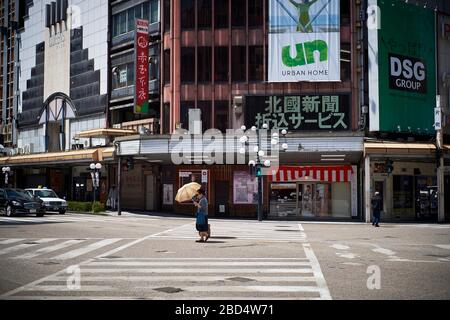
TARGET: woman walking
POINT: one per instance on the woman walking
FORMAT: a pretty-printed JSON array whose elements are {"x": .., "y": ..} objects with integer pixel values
[{"x": 201, "y": 203}]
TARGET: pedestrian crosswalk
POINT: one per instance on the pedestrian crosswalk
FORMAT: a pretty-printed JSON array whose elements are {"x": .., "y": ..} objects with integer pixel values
[
  {"x": 29, "y": 220},
  {"x": 243, "y": 230},
  {"x": 54, "y": 248},
  {"x": 298, "y": 278}
]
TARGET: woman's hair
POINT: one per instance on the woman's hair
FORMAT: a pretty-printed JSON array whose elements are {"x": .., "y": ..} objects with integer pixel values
[{"x": 201, "y": 191}]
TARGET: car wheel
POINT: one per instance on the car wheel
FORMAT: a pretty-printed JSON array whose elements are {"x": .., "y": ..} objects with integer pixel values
[
  {"x": 9, "y": 211},
  {"x": 62, "y": 212}
]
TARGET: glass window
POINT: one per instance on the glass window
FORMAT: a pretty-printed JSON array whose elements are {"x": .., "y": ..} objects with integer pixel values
[
  {"x": 238, "y": 13},
  {"x": 153, "y": 68},
  {"x": 131, "y": 15},
  {"x": 119, "y": 23},
  {"x": 255, "y": 63},
  {"x": 238, "y": 64},
  {"x": 204, "y": 16},
  {"x": 166, "y": 118},
  {"x": 255, "y": 13},
  {"x": 187, "y": 14},
  {"x": 187, "y": 64},
  {"x": 221, "y": 14},
  {"x": 206, "y": 114},
  {"x": 221, "y": 115},
  {"x": 403, "y": 194},
  {"x": 130, "y": 74},
  {"x": 166, "y": 66},
  {"x": 221, "y": 64},
  {"x": 345, "y": 12},
  {"x": 154, "y": 11},
  {"x": 146, "y": 11},
  {"x": 346, "y": 65},
  {"x": 166, "y": 5},
  {"x": 204, "y": 64},
  {"x": 184, "y": 113}
]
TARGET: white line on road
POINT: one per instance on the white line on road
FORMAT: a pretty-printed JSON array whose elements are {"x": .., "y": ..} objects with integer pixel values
[
  {"x": 25, "y": 246},
  {"x": 197, "y": 271},
  {"x": 78, "y": 252},
  {"x": 321, "y": 283},
  {"x": 194, "y": 264},
  {"x": 45, "y": 250},
  {"x": 9, "y": 241},
  {"x": 443, "y": 246}
]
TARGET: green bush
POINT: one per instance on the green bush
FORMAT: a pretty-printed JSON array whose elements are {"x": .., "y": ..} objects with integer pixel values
[
  {"x": 98, "y": 207},
  {"x": 79, "y": 206}
]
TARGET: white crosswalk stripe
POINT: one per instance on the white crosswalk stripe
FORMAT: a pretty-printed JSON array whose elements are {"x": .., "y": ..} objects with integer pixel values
[
  {"x": 25, "y": 246},
  {"x": 46, "y": 250},
  {"x": 189, "y": 278},
  {"x": 81, "y": 251}
]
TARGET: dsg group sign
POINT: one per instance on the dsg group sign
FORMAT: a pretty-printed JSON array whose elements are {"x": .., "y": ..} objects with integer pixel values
[
  {"x": 402, "y": 80},
  {"x": 304, "y": 40}
]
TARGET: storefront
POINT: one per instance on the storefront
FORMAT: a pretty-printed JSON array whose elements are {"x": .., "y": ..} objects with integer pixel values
[
  {"x": 314, "y": 192},
  {"x": 404, "y": 174}
]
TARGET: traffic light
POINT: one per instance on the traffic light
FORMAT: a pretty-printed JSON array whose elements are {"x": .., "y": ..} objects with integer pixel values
[
  {"x": 259, "y": 171},
  {"x": 389, "y": 166}
]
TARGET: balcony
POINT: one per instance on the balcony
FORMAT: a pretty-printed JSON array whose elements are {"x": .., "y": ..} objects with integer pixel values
[{"x": 151, "y": 124}]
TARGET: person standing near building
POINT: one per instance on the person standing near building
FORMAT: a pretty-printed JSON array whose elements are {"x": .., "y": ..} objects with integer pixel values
[
  {"x": 202, "y": 225},
  {"x": 112, "y": 197},
  {"x": 376, "y": 209}
]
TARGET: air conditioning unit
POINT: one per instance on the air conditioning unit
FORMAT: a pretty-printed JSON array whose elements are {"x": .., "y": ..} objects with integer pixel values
[{"x": 28, "y": 148}]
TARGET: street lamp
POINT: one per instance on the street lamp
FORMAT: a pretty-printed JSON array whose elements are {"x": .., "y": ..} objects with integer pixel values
[
  {"x": 6, "y": 171},
  {"x": 95, "y": 175},
  {"x": 259, "y": 163}
]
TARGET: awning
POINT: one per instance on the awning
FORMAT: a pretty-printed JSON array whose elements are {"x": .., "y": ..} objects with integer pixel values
[
  {"x": 102, "y": 133},
  {"x": 319, "y": 173},
  {"x": 398, "y": 148},
  {"x": 106, "y": 154},
  {"x": 51, "y": 158}
]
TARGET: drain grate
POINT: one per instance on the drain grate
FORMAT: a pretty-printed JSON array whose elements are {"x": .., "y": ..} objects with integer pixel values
[
  {"x": 240, "y": 279},
  {"x": 169, "y": 290}
]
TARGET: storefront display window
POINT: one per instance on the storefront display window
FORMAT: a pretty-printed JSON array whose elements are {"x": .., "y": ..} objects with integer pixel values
[
  {"x": 245, "y": 188},
  {"x": 403, "y": 194}
]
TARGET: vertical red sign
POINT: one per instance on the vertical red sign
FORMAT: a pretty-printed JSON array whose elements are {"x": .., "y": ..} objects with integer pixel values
[{"x": 141, "y": 63}]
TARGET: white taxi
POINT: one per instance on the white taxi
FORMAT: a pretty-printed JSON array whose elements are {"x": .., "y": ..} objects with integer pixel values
[{"x": 51, "y": 200}]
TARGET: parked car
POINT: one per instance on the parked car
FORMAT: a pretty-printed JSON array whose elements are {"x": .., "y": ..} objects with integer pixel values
[
  {"x": 14, "y": 201},
  {"x": 51, "y": 200}
]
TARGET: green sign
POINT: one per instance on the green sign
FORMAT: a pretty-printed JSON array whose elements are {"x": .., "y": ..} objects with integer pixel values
[{"x": 402, "y": 67}]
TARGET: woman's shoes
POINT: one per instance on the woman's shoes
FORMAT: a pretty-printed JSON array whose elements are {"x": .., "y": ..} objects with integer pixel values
[{"x": 200, "y": 240}]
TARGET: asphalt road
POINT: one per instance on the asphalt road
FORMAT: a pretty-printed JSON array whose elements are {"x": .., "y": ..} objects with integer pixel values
[{"x": 133, "y": 256}]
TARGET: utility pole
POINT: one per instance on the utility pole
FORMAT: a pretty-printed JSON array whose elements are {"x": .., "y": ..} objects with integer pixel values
[{"x": 440, "y": 169}]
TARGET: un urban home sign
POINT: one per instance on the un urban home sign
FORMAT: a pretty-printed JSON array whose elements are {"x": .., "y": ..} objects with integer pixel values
[{"x": 299, "y": 112}]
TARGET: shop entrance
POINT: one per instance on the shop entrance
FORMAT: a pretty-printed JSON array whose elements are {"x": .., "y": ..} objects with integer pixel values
[
  {"x": 221, "y": 197},
  {"x": 300, "y": 199}
]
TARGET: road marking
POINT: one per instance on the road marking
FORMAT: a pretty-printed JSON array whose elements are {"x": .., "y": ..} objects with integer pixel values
[
  {"x": 347, "y": 255},
  {"x": 45, "y": 250},
  {"x": 252, "y": 289},
  {"x": 300, "y": 227},
  {"x": 198, "y": 270},
  {"x": 9, "y": 241},
  {"x": 65, "y": 289},
  {"x": 384, "y": 251},
  {"x": 25, "y": 246},
  {"x": 321, "y": 283},
  {"x": 194, "y": 264},
  {"x": 443, "y": 246},
  {"x": 338, "y": 246},
  {"x": 78, "y": 252}
]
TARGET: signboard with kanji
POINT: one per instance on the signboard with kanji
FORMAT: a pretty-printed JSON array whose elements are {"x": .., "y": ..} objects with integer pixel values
[
  {"x": 141, "y": 63},
  {"x": 299, "y": 112}
]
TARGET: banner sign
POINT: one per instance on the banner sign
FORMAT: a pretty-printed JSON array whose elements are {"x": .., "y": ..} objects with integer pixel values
[
  {"x": 304, "y": 40},
  {"x": 141, "y": 63},
  {"x": 299, "y": 112},
  {"x": 402, "y": 64}
]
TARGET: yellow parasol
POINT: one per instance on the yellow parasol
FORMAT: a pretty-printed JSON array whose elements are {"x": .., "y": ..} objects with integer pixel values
[{"x": 186, "y": 192}]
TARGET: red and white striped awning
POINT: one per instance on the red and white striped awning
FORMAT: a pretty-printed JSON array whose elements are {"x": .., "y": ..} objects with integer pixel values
[{"x": 318, "y": 173}]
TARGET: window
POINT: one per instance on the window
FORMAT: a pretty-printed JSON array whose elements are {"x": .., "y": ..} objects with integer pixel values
[
  {"x": 154, "y": 11},
  {"x": 123, "y": 76},
  {"x": 221, "y": 13},
  {"x": 166, "y": 4},
  {"x": 166, "y": 66},
  {"x": 204, "y": 13},
  {"x": 206, "y": 114},
  {"x": 204, "y": 64},
  {"x": 221, "y": 115},
  {"x": 187, "y": 14},
  {"x": 184, "y": 113},
  {"x": 238, "y": 64},
  {"x": 221, "y": 64},
  {"x": 166, "y": 118},
  {"x": 119, "y": 23},
  {"x": 125, "y": 21},
  {"x": 255, "y": 13},
  {"x": 255, "y": 63},
  {"x": 187, "y": 64},
  {"x": 238, "y": 13}
]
